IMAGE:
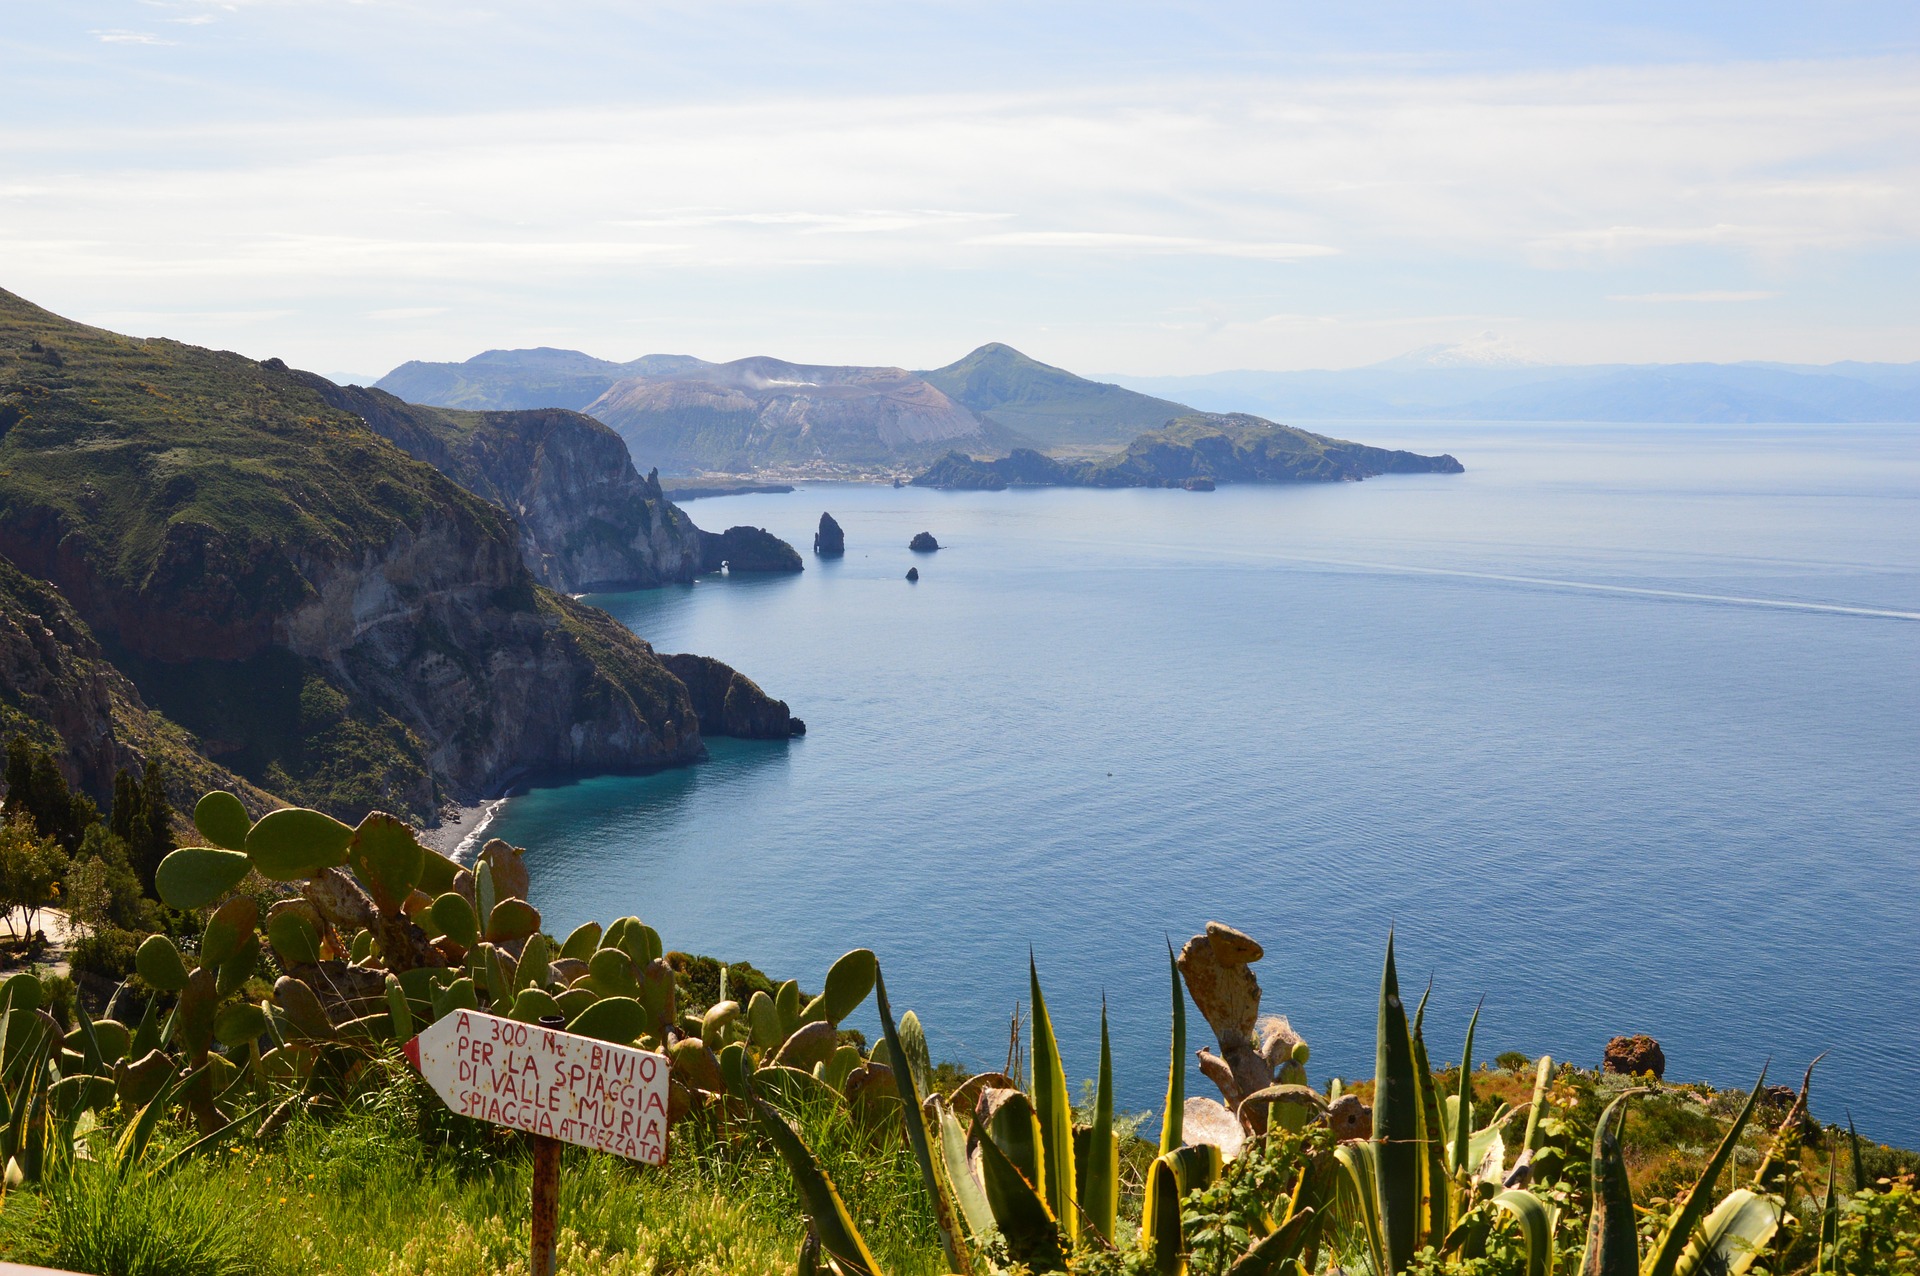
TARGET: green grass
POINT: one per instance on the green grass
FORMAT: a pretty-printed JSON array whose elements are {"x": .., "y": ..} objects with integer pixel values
[{"x": 395, "y": 1184}]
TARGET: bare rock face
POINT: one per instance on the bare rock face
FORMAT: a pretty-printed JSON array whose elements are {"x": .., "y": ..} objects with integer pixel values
[
  {"x": 923, "y": 543},
  {"x": 1635, "y": 1056},
  {"x": 729, "y": 703},
  {"x": 913, "y": 575},
  {"x": 829, "y": 541}
]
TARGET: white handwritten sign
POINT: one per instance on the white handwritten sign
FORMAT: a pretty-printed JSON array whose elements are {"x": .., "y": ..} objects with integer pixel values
[{"x": 606, "y": 1097}]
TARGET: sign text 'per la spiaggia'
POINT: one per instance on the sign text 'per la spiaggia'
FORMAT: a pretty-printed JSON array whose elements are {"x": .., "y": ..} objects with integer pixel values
[{"x": 544, "y": 1081}]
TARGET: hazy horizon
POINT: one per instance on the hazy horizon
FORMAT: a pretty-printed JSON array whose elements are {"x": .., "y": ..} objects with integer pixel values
[{"x": 1156, "y": 188}]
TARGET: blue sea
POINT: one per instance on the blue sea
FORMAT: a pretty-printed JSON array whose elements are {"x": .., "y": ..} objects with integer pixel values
[{"x": 1619, "y": 730}]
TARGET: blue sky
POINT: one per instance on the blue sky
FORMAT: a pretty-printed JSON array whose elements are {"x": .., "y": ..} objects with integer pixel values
[{"x": 1150, "y": 188}]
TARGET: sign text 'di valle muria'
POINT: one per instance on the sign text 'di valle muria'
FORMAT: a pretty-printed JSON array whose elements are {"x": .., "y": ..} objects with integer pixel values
[{"x": 547, "y": 1082}]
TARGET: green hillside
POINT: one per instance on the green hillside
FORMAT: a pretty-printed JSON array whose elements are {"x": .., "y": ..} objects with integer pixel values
[
  {"x": 330, "y": 618},
  {"x": 1049, "y": 405}
]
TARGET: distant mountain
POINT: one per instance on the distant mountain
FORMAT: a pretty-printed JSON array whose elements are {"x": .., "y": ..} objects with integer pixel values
[
  {"x": 1415, "y": 387},
  {"x": 542, "y": 377},
  {"x": 1197, "y": 450},
  {"x": 1049, "y": 405},
  {"x": 687, "y": 416},
  {"x": 761, "y": 413}
]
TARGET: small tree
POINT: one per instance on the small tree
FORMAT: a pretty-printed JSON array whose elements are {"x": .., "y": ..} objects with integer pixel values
[
  {"x": 88, "y": 897},
  {"x": 37, "y": 789},
  {"x": 142, "y": 819},
  {"x": 30, "y": 870},
  {"x": 101, "y": 892}
]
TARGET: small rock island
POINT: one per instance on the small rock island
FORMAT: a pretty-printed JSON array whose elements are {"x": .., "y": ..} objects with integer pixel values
[
  {"x": 923, "y": 542},
  {"x": 829, "y": 541}
]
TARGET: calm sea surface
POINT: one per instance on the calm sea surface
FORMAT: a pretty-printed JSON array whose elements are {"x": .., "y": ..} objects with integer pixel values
[{"x": 1620, "y": 729}]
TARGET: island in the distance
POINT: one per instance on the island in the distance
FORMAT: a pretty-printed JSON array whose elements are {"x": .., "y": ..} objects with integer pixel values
[{"x": 1195, "y": 452}]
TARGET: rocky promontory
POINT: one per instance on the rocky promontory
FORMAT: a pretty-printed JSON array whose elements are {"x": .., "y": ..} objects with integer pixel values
[
  {"x": 588, "y": 522},
  {"x": 731, "y": 704},
  {"x": 1193, "y": 452}
]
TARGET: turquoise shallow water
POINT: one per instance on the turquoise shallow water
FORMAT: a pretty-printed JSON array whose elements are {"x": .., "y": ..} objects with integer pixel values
[{"x": 1620, "y": 729}]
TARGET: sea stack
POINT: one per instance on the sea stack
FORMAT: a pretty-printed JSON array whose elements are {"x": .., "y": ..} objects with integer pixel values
[
  {"x": 829, "y": 541},
  {"x": 913, "y": 575},
  {"x": 923, "y": 543}
]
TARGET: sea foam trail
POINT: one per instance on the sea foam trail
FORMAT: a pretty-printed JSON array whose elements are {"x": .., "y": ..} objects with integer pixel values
[
  {"x": 1643, "y": 591},
  {"x": 1552, "y": 582}
]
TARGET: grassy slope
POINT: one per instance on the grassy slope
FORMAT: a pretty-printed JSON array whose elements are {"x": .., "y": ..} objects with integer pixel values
[
  {"x": 1049, "y": 405},
  {"x": 141, "y": 450}
]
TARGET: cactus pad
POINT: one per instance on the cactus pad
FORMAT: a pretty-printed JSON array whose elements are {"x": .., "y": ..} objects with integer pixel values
[
  {"x": 159, "y": 963},
  {"x": 293, "y": 843},
  {"x": 195, "y": 876},
  {"x": 387, "y": 858},
  {"x": 615, "y": 1019},
  {"x": 454, "y": 916},
  {"x": 223, "y": 820}
]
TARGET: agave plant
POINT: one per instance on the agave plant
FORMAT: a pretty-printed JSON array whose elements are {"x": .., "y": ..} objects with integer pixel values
[{"x": 1023, "y": 1182}]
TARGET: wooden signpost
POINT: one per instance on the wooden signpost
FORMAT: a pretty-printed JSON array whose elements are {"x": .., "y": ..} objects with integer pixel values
[{"x": 558, "y": 1087}]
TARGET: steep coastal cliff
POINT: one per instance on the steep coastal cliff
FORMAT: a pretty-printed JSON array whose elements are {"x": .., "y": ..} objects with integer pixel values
[
  {"x": 587, "y": 521},
  {"x": 1193, "y": 451},
  {"x": 327, "y": 617}
]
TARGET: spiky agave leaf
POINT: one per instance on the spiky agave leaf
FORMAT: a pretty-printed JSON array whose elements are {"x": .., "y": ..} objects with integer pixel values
[
  {"x": 1731, "y": 1238},
  {"x": 830, "y": 1220},
  {"x": 1053, "y": 1104},
  {"x": 1171, "y": 1135},
  {"x": 1673, "y": 1243},
  {"x": 1100, "y": 1199},
  {"x": 1031, "y": 1231},
  {"x": 1538, "y": 1104},
  {"x": 1613, "y": 1247},
  {"x": 1536, "y": 1219},
  {"x": 914, "y": 1117},
  {"x": 1436, "y": 1198},
  {"x": 1397, "y": 1125},
  {"x": 1360, "y": 1187},
  {"x": 1463, "y": 1103},
  {"x": 967, "y": 1191}
]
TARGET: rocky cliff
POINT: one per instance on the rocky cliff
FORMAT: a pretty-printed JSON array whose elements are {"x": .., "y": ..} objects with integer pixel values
[
  {"x": 730, "y": 703},
  {"x": 330, "y": 618},
  {"x": 1194, "y": 451},
  {"x": 587, "y": 521}
]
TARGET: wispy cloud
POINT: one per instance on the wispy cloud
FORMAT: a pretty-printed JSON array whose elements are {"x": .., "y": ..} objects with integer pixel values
[
  {"x": 1125, "y": 242},
  {"x": 1722, "y": 295},
  {"x": 803, "y": 222},
  {"x": 118, "y": 36}
]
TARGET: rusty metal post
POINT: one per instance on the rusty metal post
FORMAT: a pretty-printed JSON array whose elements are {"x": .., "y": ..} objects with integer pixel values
[{"x": 546, "y": 1202}]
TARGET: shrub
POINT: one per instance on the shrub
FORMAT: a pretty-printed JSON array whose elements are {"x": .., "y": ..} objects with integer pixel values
[
  {"x": 1512, "y": 1061},
  {"x": 107, "y": 954}
]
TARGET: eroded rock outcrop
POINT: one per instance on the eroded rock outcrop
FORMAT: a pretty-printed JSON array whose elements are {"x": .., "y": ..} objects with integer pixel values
[
  {"x": 923, "y": 543},
  {"x": 829, "y": 541},
  {"x": 728, "y": 703},
  {"x": 1635, "y": 1056},
  {"x": 747, "y": 549},
  {"x": 586, "y": 519}
]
